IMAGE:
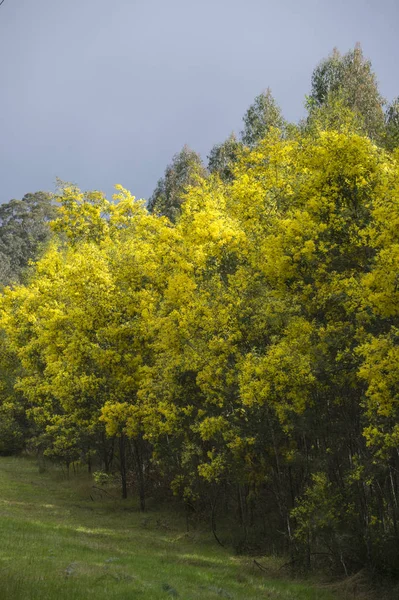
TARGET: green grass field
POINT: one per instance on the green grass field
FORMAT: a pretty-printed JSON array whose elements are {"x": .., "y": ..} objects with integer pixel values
[{"x": 56, "y": 544}]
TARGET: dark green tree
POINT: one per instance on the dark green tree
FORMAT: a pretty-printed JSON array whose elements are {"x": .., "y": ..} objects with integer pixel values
[
  {"x": 184, "y": 171},
  {"x": 263, "y": 114}
]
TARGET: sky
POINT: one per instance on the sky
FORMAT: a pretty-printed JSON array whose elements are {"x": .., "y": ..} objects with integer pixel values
[{"x": 100, "y": 92}]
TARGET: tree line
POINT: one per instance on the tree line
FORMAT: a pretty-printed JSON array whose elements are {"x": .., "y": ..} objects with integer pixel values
[{"x": 236, "y": 341}]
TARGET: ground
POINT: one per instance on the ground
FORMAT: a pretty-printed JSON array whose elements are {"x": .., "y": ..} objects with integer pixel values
[{"x": 58, "y": 543}]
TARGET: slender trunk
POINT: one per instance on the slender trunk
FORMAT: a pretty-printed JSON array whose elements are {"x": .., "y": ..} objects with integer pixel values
[
  {"x": 108, "y": 455},
  {"x": 213, "y": 522},
  {"x": 89, "y": 461},
  {"x": 104, "y": 452},
  {"x": 242, "y": 510},
  {"x": 187, "y": 517},
  {"x": 308, "y": 552},
  {"x": 292, "y": 492},
  {"x": 140, "y": 473},
  {"x": 394, "y": 502},
  {"x": 122, "y": 459}
]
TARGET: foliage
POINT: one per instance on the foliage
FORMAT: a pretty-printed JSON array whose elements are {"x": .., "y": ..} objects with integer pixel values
[
  {"x": 185, "y": 170},
  {"x": 240, "y": 351},
  {"x": 333, "y": 114},
  {"x": 223, "y": 157},
  {"x": 260, "y": 117},
  {"x": 11, "y": 434},
  {"x": 351, "y": 77},
  {"x": 24, "y": 233},
  {"x": 392, "y": 125}
]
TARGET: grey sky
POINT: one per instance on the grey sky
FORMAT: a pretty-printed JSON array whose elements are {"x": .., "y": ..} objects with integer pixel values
[{"x": 100, "y": 92}]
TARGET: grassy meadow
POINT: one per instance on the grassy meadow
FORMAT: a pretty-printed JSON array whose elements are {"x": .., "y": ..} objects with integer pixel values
[{"x": 58, "y": 543}]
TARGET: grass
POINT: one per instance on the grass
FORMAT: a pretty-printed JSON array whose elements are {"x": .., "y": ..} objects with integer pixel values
[{"x": 57, "y": 543}]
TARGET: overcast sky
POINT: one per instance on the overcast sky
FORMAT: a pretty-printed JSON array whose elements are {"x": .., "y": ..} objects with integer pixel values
[{"x": 100, "y": 92}]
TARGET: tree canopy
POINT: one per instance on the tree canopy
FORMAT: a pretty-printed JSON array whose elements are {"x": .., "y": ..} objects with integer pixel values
[
  {"x": 184, "y": 171},
  {"x": 351, "y": 78},
  {"x": 24, "y": 232},
  {"x": 236, "y": 342},
  {"x": 260, "y": 117}
]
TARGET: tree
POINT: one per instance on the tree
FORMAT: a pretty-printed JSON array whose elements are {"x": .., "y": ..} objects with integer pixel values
[
  {"x": 351, "y": 78},
  {"x": 392, "y": 125},
  {"x": 185, "y": 170},
  {"x": 79, "y": 328},
  {"x": 260, "y": 117},
  {"x": 223, "y": 157},
  {"x": 247, "y": 356},
  {"x": 327, "y": 77},
  {"x": 254, "y": 385},
  {"x": 24, "y": 233},
  {"x": 14, "y": 424},
  {"x": 333, "y": 114}
]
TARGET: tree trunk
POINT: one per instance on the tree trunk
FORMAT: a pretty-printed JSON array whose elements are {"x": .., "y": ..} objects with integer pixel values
[
  {"x": 122, "y": 460},
  {"x": 140, "y": 472}
]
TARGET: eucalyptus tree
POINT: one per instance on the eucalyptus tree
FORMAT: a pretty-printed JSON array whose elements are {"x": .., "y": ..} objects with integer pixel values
[
  {"x": 263, "y": 114},
  {"x": 185, "y": 170},
  {"x": 351, "y": 78},
  {"x": 392, "y": 125},
  {"x": 223, "y": 157},
  {"x": 24, "y": 232}
]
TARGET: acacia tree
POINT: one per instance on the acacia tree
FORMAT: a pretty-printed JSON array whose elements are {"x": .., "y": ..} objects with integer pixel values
[
  {"x": 80, "y": 328},
  {"x": 247, "y": 355},
  {"x": 255, "y": 372},
  {"x": 14, "y": 424}
]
